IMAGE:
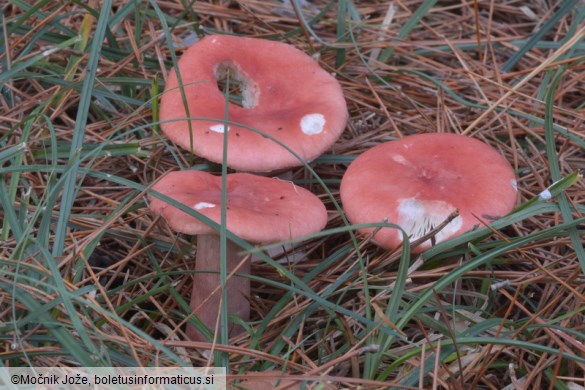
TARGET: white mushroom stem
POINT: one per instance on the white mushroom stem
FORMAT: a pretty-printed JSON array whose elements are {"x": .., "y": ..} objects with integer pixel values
[{"x": 206, "y": 294}]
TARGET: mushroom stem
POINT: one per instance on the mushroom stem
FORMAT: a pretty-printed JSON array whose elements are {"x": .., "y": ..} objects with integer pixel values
[{"x": 206, "y": 294}]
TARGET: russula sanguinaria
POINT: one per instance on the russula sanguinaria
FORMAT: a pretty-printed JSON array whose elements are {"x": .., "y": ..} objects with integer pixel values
[
  {"x": 285, "y": 94},
  {"x": 419, "y": 181},
  {"x": 258, "y": 209}
]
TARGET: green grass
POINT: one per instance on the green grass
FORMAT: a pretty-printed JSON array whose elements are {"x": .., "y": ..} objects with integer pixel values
[{"x": 80, "y": 145}]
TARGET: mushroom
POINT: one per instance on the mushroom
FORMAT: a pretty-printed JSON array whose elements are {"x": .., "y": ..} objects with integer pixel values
[
  {"x": 419, "y": 181},
  {"x": 259, "y": 209},
  {"x": 285, "y": 95}
]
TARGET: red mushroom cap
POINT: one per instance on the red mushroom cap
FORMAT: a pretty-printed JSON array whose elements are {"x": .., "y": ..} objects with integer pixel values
[
  {"x": 417, "y": 182},
  {"x": 286, "y": 95},
  {"x": 259, "y": 209}
]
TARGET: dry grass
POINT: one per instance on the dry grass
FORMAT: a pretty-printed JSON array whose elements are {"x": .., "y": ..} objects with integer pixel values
[{"x": 473, "y": 332}]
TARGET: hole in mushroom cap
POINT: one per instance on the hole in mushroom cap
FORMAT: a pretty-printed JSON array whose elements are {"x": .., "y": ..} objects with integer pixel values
[
  {"x": 312, "y": 124},
  {"x": 243, "y": 91},
  {"x": 203, "y": 205},
  {"x": 418, "y": 218}
]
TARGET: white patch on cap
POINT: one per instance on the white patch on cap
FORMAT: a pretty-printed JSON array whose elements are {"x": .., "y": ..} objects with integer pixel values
[
  {"x": 203, "y": 205},
  {"x": 312, "y": 124},
  {"x": 219, "y": 128},
  {"x": 419, "y": 217},
  {"x": 545, "y": 195},
  {"x": 399, "y": 159},
  {"x": 514, "y": 184}
]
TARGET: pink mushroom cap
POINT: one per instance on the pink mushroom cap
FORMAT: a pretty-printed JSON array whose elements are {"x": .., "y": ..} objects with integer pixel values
[
  {"x": 417, "y": 182},
  {"x": 259, "y": 209},
  {"x": 286, "y": 95}
]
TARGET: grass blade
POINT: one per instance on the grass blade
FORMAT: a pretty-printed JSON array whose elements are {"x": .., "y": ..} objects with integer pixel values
[
  {"x": 70, "y": 186},
  {"x": 566, "y": 6}
]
